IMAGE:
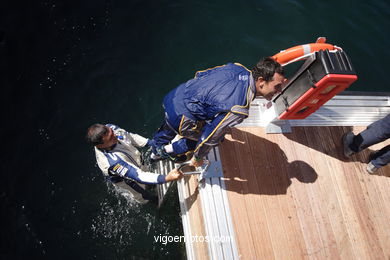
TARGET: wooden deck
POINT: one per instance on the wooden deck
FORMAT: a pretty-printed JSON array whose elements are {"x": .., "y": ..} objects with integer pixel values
[
  {"x": 294, "y": 196},
  {"x": 194, "y": 225}
]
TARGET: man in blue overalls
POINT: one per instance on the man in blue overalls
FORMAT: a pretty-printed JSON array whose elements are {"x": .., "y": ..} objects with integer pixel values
[
  {"x": 202, "y": 110},
  {"x": 377, "y": 132}
]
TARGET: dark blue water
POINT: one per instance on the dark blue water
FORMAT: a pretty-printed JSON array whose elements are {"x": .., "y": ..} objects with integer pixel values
[{"x": 68, "y": 64}]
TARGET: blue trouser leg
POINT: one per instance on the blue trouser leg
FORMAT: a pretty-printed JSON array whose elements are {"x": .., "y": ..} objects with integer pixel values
[
  {"x": 382, "y": 157},
  {"x": 183, "y": 145},
  {"x": 375, "y": 133},
  {"x": 163, "y": 136}
]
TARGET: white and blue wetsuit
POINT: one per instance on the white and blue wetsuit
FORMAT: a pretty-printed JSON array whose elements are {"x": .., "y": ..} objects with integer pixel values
[{"x": 122, "y": 165}]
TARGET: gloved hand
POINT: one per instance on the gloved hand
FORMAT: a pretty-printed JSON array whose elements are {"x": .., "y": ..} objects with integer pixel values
[{"x": 196, "y": 161}]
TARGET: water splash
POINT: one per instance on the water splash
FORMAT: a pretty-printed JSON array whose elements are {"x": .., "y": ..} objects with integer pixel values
[
  {"x": 118, "y": 216},
  {"x": 31, "y": 230}
]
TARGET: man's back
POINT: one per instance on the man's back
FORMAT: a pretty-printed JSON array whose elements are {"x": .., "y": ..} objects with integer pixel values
[{"x": 211, "y": 92}]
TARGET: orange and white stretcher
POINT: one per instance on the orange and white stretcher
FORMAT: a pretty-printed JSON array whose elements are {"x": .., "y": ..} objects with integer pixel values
[{"x": 326, "y": 72}]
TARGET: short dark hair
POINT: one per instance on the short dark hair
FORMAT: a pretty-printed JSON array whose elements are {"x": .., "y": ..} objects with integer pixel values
[
  {"x": 266, "y": 68},
  {"x": 95, "y": 134}
]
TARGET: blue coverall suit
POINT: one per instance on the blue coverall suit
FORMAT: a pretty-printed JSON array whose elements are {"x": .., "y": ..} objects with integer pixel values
[
  {"x": 204, "y": 108},
  {"x": 377, "y": 132}
]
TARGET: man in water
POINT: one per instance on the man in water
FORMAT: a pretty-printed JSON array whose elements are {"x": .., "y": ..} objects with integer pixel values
[
  {"x": 120, "y": 161},
  {"x": 203, "y": 109}
]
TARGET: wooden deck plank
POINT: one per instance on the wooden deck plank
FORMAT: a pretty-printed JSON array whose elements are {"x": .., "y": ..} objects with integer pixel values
[
  {"x": 296, "y": 170},
  {"x": 294, "y": 196},
  {"x": 328, "y": 192},
  {"x": 194, "y": 209},
  {"x": 237, "y": 197},
  {"x": 358, "y": 211},
  {"x": 248, "y": 165},
  {"x": 280, "y": 183},
  {"x": 306, "y": 199}
]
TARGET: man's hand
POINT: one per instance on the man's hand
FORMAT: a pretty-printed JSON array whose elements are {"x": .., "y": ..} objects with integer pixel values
[
  {"x": 196, "y": 161},
  {"x": 173, "y": 175}
]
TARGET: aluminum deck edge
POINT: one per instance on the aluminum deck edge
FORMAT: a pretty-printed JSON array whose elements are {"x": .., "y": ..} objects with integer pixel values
[{"x": 341, "y": 110}]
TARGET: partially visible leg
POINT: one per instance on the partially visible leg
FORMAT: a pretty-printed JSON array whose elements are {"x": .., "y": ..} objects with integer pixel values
[
  {"x": 162, "y": 137},
  {"x": 178, "y": 149},
  {"x": 377, "y": 132},
  {"x": 379, "y": 159},
  {"x": 183, "y": 145}
]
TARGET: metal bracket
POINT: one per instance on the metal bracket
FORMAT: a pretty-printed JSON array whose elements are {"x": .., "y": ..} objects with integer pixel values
[
  {"x": 213, "y": 171},
  {"x": 278, "y": 127},
  {"x": 207, "y": 170},
  {"x": 272, "y": 124},
  {"x": 188, "y": 169}
]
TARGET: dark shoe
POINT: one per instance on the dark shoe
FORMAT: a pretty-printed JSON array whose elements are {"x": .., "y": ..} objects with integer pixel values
[
  {"x": 180, "y": 158},
  {"x": 148, "y": 157},
  {"x": 163, "y": 154},
  {"x": 373, "y": 155},
  {"x": 347, "y": 140},
  {"x": 171, "y": 156}
]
